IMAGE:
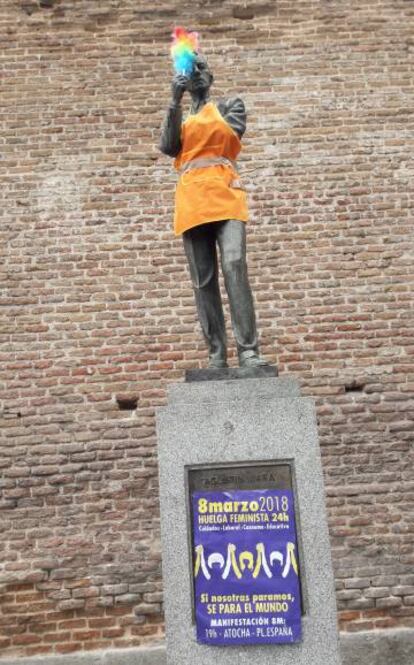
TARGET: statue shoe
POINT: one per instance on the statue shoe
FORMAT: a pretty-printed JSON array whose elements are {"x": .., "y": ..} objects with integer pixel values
[{"x": 251, "y": 358}]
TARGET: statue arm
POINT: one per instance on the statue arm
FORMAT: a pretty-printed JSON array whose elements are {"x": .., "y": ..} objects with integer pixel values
[
  {"x": 233, "y": 111},
  {"x": 170, "y": 143}
]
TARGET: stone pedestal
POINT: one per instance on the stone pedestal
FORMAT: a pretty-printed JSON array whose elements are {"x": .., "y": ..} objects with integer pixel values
[{"x": 245, "y": 421}]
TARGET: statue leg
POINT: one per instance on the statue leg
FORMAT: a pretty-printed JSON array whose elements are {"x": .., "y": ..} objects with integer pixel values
[
  {"x": 200, "y": 249},
  {"x": 231, "y": 237}
]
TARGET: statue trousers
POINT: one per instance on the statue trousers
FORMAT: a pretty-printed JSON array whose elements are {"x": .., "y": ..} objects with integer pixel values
[{"x": 200, "y": 245}]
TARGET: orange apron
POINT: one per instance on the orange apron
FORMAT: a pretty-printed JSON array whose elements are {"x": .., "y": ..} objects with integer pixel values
[{"x": 208, "y": 189}]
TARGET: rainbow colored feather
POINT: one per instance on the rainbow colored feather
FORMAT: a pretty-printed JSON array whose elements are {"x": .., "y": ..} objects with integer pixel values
[{"x": 184, "y": 50}]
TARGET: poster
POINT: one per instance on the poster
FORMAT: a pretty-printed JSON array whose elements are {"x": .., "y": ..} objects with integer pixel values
[{"x": 246, "y": 573}]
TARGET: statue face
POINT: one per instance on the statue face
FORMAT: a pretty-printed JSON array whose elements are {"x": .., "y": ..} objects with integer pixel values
[{"x": 201, "y": 77}]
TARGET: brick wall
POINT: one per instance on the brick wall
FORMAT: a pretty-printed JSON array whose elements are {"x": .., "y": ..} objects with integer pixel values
[{"x": 98, "y": 313}]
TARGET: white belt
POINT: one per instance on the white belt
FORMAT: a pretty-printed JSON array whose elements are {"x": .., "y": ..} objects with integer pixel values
[{"x": 204, "y": 162}]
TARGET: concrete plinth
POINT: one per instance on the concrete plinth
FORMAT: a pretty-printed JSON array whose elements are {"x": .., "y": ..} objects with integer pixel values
[{"x": 247, "y": 421}]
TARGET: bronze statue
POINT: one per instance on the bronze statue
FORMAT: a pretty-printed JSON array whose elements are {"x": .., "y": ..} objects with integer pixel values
[{"x": 211, "y": 209}]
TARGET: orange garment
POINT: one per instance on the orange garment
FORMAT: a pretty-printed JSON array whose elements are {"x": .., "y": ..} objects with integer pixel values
[{"x": 210, "y": 193}]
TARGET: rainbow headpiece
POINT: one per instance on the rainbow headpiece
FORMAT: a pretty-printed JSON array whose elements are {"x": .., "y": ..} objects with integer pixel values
[{"x": 184, "y": 50}]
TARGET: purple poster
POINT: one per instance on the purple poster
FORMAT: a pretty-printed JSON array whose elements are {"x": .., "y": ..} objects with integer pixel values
[{"x": 246, "y": 567}]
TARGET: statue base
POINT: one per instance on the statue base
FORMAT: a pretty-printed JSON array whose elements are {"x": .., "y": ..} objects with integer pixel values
[
  {"x": 230, "y": 373},
  {"x": 234, "y": 436}
]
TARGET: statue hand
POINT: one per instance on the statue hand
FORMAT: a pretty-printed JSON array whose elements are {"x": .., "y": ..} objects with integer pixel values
[{"x": 178, "y": 87}]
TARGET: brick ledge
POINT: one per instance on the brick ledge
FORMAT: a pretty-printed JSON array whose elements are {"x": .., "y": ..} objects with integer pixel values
[{"x": 374, "y": 647}]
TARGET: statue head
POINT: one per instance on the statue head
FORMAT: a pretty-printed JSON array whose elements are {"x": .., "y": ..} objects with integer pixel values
[{"x": 201, "y": 77}]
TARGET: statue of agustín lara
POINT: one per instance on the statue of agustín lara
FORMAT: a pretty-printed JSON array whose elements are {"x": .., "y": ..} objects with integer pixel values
[{"x": 211, "y": 209}]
